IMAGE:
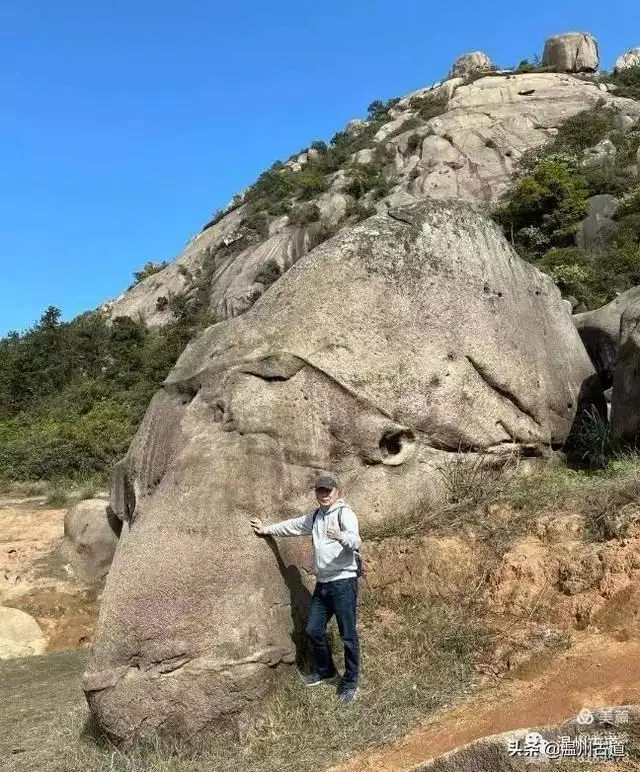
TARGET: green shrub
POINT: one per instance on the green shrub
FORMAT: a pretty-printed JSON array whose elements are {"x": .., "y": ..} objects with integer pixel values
[
  {"x": 573, "y": 272},
  {"x": 148, "y": 270},
  {"x": 584, "y": 130},
  {"x": 215, "y": 219},
  {"x": 591, "y": 443},
  {"x": 255, "y": 223},
  {"x": 607, "y": 178},
  {"x": 428, "y": 106},
  {"x": 310, "y": 182},
  {"x": 377, "y": 110},
  {"x": 627, "y": 82},
  {"x": 630, "y": 205},
  {"x": 366, "y": 178},
  {"x": 543, "y": 210},
  {"x": 526, "y": 66}
]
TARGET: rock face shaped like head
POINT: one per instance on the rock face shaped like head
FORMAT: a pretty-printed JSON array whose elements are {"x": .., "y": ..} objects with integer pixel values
[{"x": 400, "y": 340}]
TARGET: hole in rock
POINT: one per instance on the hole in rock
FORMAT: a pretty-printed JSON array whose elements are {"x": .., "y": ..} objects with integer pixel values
[{"x": 396, "y": 445}]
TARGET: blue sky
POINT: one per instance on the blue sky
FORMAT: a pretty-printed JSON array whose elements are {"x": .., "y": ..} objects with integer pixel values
[{"x": 123, "y": 125}]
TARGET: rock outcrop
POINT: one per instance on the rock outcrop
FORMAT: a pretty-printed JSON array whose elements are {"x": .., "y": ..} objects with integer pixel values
[
  {"x": 571, "y": 52},
  {"x": 466, "y": 148},
  {"x": 472, "y": 63},
  {"x": 625, "y": 403},
  {"x": 91, "y": 532},
  {"x": 629, "y": 59},
  {"x": 598, "y": 227},
  {"x": 431, "y": 336},
  {"x": 20, "y": 634},
  {"x": 600, "y": 332}
]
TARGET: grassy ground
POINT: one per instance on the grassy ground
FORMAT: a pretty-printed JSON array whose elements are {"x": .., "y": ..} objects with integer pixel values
[
  {"x": 417, "y": 656},
  {"x": 56, "y": 494}
]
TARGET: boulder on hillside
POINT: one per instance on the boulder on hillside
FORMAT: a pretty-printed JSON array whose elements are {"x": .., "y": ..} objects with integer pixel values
[
  {"x": 91, "y": 532},
  {"x": 629, "y": 59},
  {"x": 600, "y": 331},
  {"x": 571, "y": 52},
  {"x": 401, "y": 340},
  {"x": 20, "y": 634},
  {"x": 596, "y": 231},
  {"x": 625, "y": 404},
  {"x": 476, "y": 61}
]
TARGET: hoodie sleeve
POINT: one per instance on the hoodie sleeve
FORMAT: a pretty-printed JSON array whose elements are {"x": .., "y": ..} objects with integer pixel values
[
  {"x": 297, "y": 526},
  {"x": 350, "y": 534}
]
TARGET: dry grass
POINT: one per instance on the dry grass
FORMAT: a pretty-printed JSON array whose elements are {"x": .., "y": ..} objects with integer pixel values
[
  {"x": 417, "y": 657},
  {"x": 474, "y": 484},
  {"x": 60, "y": 493}
]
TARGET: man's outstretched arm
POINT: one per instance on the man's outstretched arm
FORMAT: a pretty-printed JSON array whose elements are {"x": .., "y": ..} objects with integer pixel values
[{"x": 297, "y": 526}]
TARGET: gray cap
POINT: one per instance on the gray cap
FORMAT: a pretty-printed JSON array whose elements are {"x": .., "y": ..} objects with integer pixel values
[{"x": 326, "y": 482}]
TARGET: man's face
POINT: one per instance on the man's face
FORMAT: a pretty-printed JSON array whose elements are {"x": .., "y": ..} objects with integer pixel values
[{"x": 326, "y": 497}]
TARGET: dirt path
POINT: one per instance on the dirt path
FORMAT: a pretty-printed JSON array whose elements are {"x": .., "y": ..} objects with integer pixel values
[{"x": 597, "y": 671}]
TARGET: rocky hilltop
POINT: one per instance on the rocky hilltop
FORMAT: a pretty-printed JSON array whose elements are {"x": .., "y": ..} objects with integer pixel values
[{"x": 461, "y": 139}]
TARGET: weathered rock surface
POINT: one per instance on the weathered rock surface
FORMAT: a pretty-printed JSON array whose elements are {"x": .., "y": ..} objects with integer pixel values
[
  {"x": 91, "y": 532},
  {"x": 600, "y": 330},
  {"x": 596, "y": 230},
  {"x": 477, "y": 61},
  {"x": 442, "y": 338},
  {"x": 468, "y": 152},
  {"x": 625, "y": 412},
  {"x": 571, "y": 52},
  {"x": 20, "y": 634},
  {"x": 629, "y": 59}
]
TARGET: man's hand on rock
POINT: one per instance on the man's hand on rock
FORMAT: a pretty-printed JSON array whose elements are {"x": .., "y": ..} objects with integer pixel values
[
  {"x": 333, "y": 532},
  {"x": 257, "y": 526}
]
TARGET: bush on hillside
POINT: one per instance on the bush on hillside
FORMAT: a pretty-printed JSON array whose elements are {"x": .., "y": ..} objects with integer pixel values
[
  {"x": 428, "y": 106},
  {"x": 584, "y": 130},
  {"x": 365, "y": 178},
  {"x": 378, "y": 110},
  {"x": 148, "y": 270},
  {"x": 627, "y": 82},
  {"x": 543, "y": 210}
]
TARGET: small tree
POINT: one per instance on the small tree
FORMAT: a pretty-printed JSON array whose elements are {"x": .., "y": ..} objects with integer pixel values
[{"x": 148, "y": 270}]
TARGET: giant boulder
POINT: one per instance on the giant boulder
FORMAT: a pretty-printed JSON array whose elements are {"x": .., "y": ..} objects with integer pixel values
[
  {"x": 600, "y": 331},
  {"x": 413, "y": 335},
  {"x": 571, "y": 52}
]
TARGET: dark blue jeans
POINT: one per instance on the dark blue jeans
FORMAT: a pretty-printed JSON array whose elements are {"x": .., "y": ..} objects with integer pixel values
[{"x": 339, "y": 598}]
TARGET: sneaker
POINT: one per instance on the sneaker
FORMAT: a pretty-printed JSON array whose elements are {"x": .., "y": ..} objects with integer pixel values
[
  {"x": 315, "y": 679},
  {"x": 348, "y": 694}
]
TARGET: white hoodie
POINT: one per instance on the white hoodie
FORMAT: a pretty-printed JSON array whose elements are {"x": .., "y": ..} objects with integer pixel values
[{"x": 333, "y": 559}]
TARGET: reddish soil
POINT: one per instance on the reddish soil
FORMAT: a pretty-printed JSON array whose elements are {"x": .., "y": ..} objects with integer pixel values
[{"x": 598, "y": 671}]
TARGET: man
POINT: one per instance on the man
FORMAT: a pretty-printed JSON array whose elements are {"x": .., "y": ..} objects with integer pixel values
[{"x": 334, "y": 530}]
